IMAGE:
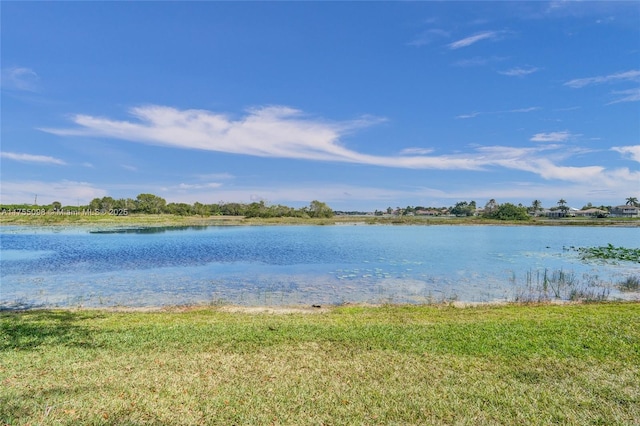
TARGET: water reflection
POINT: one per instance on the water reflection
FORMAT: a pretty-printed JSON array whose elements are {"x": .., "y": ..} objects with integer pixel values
[{"x": 149, "y": 229}]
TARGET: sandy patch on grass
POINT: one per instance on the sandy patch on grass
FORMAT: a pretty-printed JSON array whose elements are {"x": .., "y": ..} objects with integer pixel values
[
  {"x": 277, "y": 310},
  {"x": 274, "y": 309}
]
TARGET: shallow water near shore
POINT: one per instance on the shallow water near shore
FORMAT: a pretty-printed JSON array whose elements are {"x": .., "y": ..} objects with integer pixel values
[{"x": 299, "y": 265}]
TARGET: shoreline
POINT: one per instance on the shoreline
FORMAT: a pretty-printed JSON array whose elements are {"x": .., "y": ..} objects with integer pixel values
[{"x": 306, "y": 309}]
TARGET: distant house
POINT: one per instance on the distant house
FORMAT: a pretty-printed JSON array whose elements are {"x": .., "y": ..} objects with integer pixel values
[
  {"x": 571, "y": 212},
  {"x": 428, "y": 212},
  {"x": 625, "y": 211},
  {"x": 591, "y": 213},
  {"x": 553, "y": 213}
]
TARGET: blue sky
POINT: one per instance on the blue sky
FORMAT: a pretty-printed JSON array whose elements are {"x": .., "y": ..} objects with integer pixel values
[{"x": 360, "y": 105}]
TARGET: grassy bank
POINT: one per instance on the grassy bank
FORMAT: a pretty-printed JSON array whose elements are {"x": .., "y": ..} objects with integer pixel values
[{"x": 514, "y": 364}]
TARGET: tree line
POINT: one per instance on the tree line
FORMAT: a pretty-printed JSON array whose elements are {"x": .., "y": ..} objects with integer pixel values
[
  {"x": 153, "y": 204},
  {"x": 505, "y": 211}
]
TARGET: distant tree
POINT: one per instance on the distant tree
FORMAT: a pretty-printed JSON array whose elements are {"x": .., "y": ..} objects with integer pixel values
[
  {"x": 214, "y": 209},
  {"x": 107, "y": 203},
  {"x": 200, "y": 209},
  {"x": 632, "y": 201},
  {"x": 95, "y": 204},
  {"x": 180, "y": 209},
  {"x": 536, "y": 206},
  {"x": 587, "y": 206},
  {"x": 129, "y": 204},
  {"x": 463, "y": 208},
  {"x": 56, "y": 205},
  {"x": 490, "y": 208},
  {"x": 562, "y": 206},
  {"x": 508, "y": 211},
  {"x": 319, "y": 209},
  {"x": 256, "y": 209},
  {"x": 233, "y": 209},
  {"x": 149, "y": 203},
  {"x": 282, "y": 211}
]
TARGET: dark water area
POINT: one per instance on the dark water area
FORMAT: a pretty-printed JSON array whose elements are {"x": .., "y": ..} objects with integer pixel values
[{"x": 293, "y": 265}]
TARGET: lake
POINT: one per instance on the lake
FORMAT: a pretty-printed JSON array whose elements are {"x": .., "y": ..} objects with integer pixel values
[{"x": 305, "y": 265}]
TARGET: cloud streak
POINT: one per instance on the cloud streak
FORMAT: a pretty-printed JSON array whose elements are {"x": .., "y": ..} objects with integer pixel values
[
  {"x": 468, "y": 41},
  {"x": 551, "y": 137},
  {"x": 30, "y": 158},
  {"x": 282, "y": 132},
  {"x": 273, "y": 131},
  {"x": 20, "y": 78},
  {"x": 631, "y": 95},
  {"x": 510, "y": 111},
  {"x": 518, "y": 72},
  {"x": 632, "y": 75},
  {"x": 428, "y": 37}
]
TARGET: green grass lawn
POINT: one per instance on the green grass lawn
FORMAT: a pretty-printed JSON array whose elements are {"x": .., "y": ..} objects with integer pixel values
[{"x": 515, "y": 364}]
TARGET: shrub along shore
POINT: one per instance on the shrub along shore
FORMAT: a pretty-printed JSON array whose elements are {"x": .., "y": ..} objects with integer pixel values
[{"x": 511, "y": 364}]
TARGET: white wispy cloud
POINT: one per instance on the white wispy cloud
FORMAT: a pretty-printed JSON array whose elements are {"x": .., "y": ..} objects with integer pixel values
[
  {"x": 273, "y": 131},
  {"x": 287, "y": 133},
  {"x": 20, "y": 78},
  {"x": 551, "y": 137},
  {"x": 528, "y": 109},
  {"x": 199, "y": 185},
  {"x": 416, "y": 151},
  {"x": 632, "y": 75},
  {"x": 428, "y": 36},
  {"x": 471, "y": 115},
  {"x": 509, "y": 111},
  {"x": 215, "y": 176},
  {"x": 632, "y": 151},
  {"x": 478, "y": 61},
  {"x": 30, "y": 158},
  {"x": 518, "y": 72},
  {"x": 468, "y": 41},
  {"x": 630, "y": 95}
]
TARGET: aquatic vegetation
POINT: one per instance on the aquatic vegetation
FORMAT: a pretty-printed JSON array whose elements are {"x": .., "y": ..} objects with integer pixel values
[
  {"x": 610, "y": 252},
  {"x": 630, "y": 284},
  {"x": 543, "y": 286}
]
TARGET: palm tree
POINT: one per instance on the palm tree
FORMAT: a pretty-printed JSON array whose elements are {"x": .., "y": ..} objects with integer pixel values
[
  {"x": 632, "y": 201},
  {"x": 536, "y": 206},
  {"x": 562, "y": 206}
]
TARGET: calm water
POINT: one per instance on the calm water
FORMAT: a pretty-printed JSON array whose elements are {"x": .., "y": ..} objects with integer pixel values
[{"x": 284, "y": 265}]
